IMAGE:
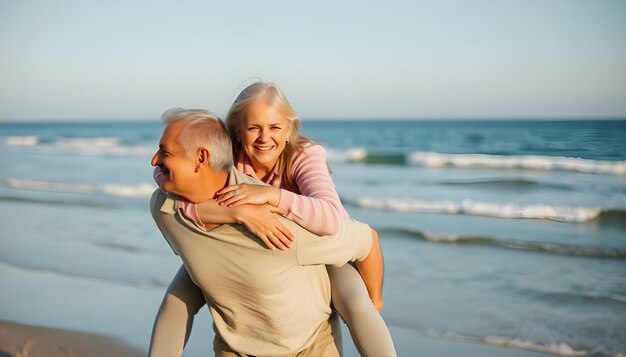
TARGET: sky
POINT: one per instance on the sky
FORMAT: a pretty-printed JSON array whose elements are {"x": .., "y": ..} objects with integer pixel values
[{"x": 112, "y": 60}]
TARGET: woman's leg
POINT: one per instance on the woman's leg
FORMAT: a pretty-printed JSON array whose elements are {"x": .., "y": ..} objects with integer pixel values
[
  {"x": 351, "y": 300},
  {"x": 174, "y": 320},
  {"x": 335, "y": 330}
]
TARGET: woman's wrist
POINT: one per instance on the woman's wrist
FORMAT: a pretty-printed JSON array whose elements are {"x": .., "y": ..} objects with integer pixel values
[
  {"x": 274, "y": 196},
  {"x": 210, "y": 212},
  {"x": 238, "y": 214}
]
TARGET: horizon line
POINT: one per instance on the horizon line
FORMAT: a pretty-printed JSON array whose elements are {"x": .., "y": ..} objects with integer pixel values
[{"x": 576, "y": 117}]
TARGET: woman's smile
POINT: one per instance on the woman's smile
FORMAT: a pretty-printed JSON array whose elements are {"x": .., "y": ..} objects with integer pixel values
[{"x": 263, "y": 148}]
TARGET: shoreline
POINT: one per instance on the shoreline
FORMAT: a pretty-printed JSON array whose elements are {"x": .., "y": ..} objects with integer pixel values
[
  {"x": 122, "y": 323},
  {"x": 27, "y": 340},
  {"x": 20, "y": 340}
]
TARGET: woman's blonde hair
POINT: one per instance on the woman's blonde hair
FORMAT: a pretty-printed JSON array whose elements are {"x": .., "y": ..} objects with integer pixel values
[{"x": 276, "y": 98}]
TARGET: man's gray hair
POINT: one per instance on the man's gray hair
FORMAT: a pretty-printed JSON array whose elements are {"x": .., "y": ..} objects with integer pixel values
[{"x": 203, "y": 129}]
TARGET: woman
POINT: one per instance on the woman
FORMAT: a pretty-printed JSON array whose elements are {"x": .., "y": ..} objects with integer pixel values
[{"x": 267, "y": 145}]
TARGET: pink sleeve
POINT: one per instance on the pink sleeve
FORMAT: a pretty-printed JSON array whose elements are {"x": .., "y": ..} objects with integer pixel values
[
  {"x": 318, "y": 207},
  {"x": 190, "y": 210},
  {"x": 158, "y": 176}
]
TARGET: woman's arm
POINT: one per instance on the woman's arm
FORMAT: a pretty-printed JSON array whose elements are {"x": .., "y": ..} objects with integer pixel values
[
  {"x": 316, "y": 207},
  {"x": 319, "y": 209},
  {"x": 258, "y": 219}
]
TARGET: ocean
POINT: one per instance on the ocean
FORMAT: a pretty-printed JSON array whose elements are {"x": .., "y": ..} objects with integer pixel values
[{"x": 506, "y": 233}]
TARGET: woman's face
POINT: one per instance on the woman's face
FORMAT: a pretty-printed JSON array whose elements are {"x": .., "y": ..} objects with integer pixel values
[{"x": 263, "y": 134}]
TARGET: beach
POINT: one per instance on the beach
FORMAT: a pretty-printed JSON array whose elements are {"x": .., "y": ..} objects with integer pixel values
[
  {"x": 120, "y": 325},
  {"x": 21, "y": 340},
  {"x": 500, "y": 238}
]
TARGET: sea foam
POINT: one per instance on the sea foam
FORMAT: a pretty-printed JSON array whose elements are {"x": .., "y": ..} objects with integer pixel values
[
  {"x": 128, "y": 191},
  {"x": 141, "y": 190},
  {"x": 97, "y": 146},
  {"x": 547, "y": 163},
  {"x": 469, "y": 207},
  {"x": 30, "y": 185},
  {"x": 345, "y": 156},
  {"x": 560, "y": 349},
  {"x": 30, "y": 140},
  {"x": 102, "y": 146}
]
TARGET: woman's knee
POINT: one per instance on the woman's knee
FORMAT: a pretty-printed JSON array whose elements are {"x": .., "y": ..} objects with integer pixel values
[
  {"x": 355, "y": 309},
  {"x": 352, "y": 304}
]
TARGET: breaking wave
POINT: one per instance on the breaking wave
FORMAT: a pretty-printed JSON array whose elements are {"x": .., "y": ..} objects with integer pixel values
[
  {"x": 30, "y": 140},
  {"x": 546, "y": 163},
  {"x": 488, "y": 209},
  {"x": 142, "y": 190},
  {"x": 538, "y": 247},
  {"x": 98, "y": 146},
  {"x": 514, "y": 162}
]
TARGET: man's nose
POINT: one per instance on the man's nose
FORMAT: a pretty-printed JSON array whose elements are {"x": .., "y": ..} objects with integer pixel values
[{"x": 155, "y": 159}]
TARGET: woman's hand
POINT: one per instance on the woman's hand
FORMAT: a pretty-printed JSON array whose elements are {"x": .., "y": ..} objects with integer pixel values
[
  {"x": 261, "y": 221},
  {"x": 237, "y": 195}
]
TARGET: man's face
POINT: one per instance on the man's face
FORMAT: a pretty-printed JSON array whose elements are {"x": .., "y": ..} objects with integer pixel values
[{"x": 177, "y": 165}]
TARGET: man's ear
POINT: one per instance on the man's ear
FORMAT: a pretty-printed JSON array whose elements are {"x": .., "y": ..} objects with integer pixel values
[{"x": 203, "y": 159}]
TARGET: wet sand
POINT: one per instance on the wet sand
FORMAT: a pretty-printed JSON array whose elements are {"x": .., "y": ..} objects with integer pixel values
[{"x": 19, "y": 340}]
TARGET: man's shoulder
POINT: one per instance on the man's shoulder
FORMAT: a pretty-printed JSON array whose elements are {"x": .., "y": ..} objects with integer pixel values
[
  {"x": 157, "y": 200},
  {"x": 157, "y": 196},
  {"x": 237, "y": 177}
]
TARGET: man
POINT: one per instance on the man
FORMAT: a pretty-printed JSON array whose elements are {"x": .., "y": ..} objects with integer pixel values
[{"x": 263, "y": 302}]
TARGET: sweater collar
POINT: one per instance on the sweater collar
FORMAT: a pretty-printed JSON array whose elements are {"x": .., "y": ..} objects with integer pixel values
[{"x": 244, "y": 165}]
